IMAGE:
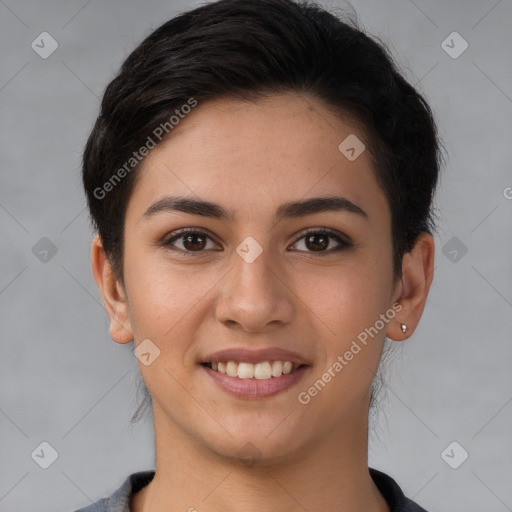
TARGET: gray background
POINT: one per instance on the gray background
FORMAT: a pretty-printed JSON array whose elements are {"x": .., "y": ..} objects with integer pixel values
[{"x": 63, "y": 381}]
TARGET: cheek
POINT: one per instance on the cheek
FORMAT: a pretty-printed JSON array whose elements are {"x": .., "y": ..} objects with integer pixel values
[
  {"x": 348, "y": 298},
  {"x": 350, "y": 303},
  {"x": 162, "y": 299},
  {"x": 164, "y": 304}
]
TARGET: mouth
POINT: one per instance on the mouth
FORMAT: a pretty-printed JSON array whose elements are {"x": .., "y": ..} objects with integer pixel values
[
  {"x": 254, "y": 380},
  {"x": 255, "y": 371}
]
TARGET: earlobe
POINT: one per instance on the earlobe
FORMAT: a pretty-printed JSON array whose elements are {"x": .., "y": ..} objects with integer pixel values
[
  {"x": 113, "y": 293},
  {"x": 417, "y": 274}
]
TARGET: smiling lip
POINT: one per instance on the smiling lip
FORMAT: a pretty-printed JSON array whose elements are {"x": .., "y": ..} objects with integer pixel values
[
  {"x": 254, "y": 356},
  {"x": 252, "y": 388}
]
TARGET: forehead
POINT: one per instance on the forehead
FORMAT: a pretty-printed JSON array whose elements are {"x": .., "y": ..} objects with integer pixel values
[{"x": 252, "y": 155}]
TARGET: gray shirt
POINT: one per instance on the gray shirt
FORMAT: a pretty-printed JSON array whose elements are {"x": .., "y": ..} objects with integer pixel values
[{"x": 119, "y": 501}]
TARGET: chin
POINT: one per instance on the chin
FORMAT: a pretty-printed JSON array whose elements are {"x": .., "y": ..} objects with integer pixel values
[
  {"x": 255, "y": 453},
  {"x": 260, "y": 443}
]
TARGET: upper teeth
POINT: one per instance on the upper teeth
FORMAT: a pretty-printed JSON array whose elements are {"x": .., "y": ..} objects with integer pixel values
[{"x": 264, "y": 370}]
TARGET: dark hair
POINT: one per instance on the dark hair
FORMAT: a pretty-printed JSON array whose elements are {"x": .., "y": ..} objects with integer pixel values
[{"x": 246, "y": 49}]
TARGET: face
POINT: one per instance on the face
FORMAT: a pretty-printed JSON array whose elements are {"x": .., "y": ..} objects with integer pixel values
[{"x": 264, "y": 282}]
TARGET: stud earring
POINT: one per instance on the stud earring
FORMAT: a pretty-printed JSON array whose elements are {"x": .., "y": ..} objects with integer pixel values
[{"x": 404, "y": 328}]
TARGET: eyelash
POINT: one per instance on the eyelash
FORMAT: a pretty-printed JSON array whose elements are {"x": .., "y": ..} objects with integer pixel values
[{"x": 335, "y": 235}]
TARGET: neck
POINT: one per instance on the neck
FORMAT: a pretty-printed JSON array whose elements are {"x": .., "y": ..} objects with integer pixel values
[{"x": 330, "y": 475}]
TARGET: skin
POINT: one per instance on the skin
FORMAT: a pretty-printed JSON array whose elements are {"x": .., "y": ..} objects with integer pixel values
[{"x": 250, "y": 157}]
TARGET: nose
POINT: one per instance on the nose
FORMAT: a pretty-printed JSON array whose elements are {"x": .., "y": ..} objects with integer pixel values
[{"x": 254, "y": 297}]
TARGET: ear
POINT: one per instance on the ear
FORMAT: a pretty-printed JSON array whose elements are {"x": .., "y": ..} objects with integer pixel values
[
  {"x": 113, "y": 293},
  {"x": 417, "y": 274}
]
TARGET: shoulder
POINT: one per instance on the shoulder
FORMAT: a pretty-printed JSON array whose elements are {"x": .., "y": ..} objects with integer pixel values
[
  {"x": 119, "y": 500},
  {"x": 393, "y": 494}
]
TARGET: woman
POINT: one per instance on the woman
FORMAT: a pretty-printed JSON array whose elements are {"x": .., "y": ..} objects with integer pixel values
[{"x": 260, "y": 178}]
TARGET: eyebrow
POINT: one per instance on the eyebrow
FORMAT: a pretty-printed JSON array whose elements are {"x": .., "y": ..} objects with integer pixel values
[{"x": 292, "y": 209}]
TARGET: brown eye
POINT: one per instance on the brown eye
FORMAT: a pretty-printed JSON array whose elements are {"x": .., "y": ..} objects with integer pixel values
[
  {"x": 189, "y": 241},
  {"x": 319, "y": 241},
  {"x": 194, "y": 242}
]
